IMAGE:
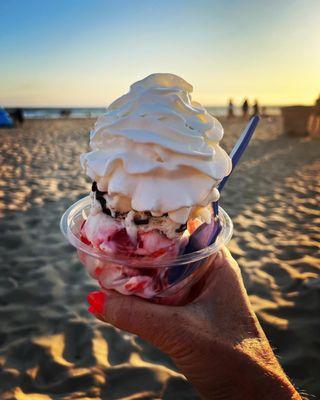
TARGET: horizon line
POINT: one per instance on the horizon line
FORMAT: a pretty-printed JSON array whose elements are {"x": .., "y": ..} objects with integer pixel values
[{"x": 106, "y": 106}]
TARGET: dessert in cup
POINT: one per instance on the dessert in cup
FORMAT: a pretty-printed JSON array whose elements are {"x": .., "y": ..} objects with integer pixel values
[{"x": 155, "y": 164}]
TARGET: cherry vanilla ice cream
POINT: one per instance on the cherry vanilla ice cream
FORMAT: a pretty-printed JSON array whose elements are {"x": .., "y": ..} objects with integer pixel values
[{"x": 155, "y": 164}]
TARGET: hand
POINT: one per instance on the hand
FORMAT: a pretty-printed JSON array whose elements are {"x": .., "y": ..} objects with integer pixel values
[{"x": 216, "y": 340}]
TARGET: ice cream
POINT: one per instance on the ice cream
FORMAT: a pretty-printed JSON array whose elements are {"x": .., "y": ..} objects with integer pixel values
[{"x": 155, "y": 165}]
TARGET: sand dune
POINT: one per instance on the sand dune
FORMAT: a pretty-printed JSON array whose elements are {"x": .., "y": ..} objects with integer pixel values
[{"x": 51, "y": 348}]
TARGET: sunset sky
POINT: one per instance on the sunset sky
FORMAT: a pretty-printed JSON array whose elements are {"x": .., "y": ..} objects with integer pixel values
[{"x": 86, "y": 53}]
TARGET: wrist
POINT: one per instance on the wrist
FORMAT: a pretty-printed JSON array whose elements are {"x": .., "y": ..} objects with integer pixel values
[
  {"x": 274, "y": 385},
  {"x": 264, "y": 375},
  {"x": 232, "y": 374},
  {"x": 261, "y": 387}
]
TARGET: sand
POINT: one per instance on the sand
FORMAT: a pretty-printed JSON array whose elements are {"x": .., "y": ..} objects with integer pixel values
[{"x": 51, "y": 348}]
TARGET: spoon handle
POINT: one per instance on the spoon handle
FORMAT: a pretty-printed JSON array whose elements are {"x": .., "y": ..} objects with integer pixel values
[
  {"x": 240, "y": 147},
  {"x": 237, "y": 152}
]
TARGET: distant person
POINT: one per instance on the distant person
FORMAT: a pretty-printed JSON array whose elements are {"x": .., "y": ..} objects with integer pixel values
[
  {"x": 230, "y": 109},
  {"x": 314, "y": 120},
  {"x": 245, "y": 109},
  {"x": 256, "y": 110},
  {"x": 65, "y": 112},
  {"x": 18, "y": 116}
]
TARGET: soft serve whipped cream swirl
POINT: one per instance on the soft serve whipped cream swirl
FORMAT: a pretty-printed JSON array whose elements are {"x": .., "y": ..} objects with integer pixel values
[{"x": 157, "y": 150}]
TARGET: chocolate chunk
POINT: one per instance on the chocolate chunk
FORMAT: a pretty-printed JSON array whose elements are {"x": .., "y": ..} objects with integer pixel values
[
  {"x": 119, "y": 214},
  {"x": 99, "y": 194},
  {"x": 106, "y": 210},
  {"x": 102, "y": 201},
  {"x": 181, "y": 228},
  {"x": 94, "y": 186},
  {"x": 140, "y": 221},
  {"x": 100, "y": 198},
  {"x": 97, "y": 191}
]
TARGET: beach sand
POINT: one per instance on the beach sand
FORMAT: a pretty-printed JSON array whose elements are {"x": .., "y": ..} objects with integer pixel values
[{"x": 52, "y": 348}]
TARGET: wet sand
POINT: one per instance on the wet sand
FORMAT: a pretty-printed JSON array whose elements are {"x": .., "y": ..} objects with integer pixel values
[{"x": 51, "y": 348}]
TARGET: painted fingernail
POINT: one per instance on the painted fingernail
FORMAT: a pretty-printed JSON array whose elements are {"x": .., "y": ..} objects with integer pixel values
[
  {"x": 91, "y": 310},
  {"x": 97, "y": 301}
]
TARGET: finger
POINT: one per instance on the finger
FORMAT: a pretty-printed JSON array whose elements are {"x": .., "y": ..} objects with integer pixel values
[
  {"x": 148, "y": 320},
  {"x": 224, "y": 298},
  {"x": 223, "y": 276},
  {"x": 227, "y": 256}
]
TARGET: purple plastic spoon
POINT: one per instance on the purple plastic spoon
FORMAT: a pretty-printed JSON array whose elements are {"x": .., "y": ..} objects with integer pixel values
[
  {"x": 237, "y": 152},
  {"x": 206, "y": 234}
]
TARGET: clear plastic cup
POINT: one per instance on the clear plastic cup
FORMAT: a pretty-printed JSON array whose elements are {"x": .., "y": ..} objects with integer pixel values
[{"x": 167, "y": 281}]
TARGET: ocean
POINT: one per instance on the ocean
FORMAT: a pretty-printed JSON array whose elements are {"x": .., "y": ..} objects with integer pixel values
[{"x": 94, "y": 112}]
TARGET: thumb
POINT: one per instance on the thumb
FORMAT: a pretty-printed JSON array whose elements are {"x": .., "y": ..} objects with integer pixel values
[{"x": 152, "y": 322}]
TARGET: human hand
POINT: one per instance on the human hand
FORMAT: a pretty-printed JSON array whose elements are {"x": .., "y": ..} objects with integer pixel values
[{"x": 216, "y": 340}]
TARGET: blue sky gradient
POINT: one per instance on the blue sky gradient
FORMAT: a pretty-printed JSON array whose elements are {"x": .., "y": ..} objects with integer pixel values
[{"x": 86, "y": 53}]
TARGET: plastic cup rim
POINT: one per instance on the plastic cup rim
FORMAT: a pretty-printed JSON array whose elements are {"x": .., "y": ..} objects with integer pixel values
[{"x": 78, "y": 207}]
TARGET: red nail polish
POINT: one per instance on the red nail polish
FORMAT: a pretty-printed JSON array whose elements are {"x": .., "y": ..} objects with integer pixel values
[
  {"x": 91, "y": 310},
  {"x": 97, "y": 301}
]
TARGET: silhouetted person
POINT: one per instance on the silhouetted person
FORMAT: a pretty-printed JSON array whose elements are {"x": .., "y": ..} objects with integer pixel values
[
  {"x": 256, "y": 110},
  {"x": 65, "y": 112},
  {"x": 230, "y": 109},
  {"x": 18, "y": 116},
  {"x": 245, "y": 109}
]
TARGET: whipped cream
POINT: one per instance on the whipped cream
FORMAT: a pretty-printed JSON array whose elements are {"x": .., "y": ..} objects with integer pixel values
[{"x": 157, "y": 150}]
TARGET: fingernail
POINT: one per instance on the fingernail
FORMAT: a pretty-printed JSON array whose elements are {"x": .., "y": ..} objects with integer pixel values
[
  {"x": 91, "y": 310},
  {"x": 97, "y": 301}
]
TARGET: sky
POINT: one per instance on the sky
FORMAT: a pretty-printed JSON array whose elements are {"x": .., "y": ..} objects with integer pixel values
[{"x": 88, "y": 52}]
